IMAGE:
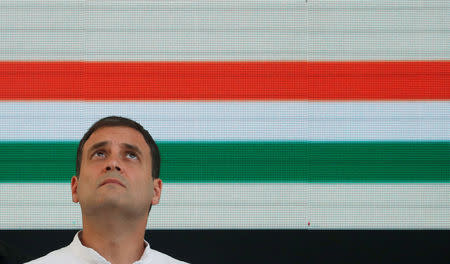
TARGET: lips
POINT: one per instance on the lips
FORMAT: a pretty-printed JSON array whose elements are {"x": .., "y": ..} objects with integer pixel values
[{"x": 113, "y": 181}]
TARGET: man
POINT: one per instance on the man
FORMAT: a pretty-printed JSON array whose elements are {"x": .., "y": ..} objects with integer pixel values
[{"x": 116, "y": 183}]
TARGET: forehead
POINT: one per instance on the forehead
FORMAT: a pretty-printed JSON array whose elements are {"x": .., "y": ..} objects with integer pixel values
[{"x": 118, "y": 135}]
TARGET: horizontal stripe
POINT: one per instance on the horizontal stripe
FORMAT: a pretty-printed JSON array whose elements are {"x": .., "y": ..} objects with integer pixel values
[
  {"x": 377, "y": 30},
  {"x": 152, "y": 80},
  {"x": 418, "y": 80},
  {"x": 379, "y": 206},
  {"x": 247, "y": 206},
  {"x": 224, "y": 30},
  {"x": 182, "y": 206},
  {"x": 156, "y": 30},
  {"x": 292, "y": 246},
  {"x": 378, "y": 80},
  {"x": 234, "y": 121},
  {"x": 166, "y": 121},
  {"x": 251, "y": 162}
]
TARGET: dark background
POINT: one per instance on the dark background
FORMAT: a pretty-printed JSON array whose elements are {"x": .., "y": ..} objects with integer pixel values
[{"x": 267, "y": 246}]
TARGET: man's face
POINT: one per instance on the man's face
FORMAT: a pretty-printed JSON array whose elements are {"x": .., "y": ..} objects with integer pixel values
[{"x": 115, "y": 174}]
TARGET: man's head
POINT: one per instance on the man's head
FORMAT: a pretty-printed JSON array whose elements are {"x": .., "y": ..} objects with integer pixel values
[
  {"x": 117, "y": 169},
  {"x": 116, "y": 121}
]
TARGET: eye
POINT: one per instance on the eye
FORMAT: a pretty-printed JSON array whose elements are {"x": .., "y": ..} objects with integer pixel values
[
  {"x": 131, "y": 155},
  {"x": 99, "y": 154}
]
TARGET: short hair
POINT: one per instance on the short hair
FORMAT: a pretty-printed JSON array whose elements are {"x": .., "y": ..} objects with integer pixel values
[{"x": 116, "y": 121}]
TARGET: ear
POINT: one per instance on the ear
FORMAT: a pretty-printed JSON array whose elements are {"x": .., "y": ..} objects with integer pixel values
[
  {"x": 74, "y": 187},
  {"x": 157, "y": 187}
]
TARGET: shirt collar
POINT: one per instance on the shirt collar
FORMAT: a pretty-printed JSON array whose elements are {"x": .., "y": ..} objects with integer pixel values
[{"x": 91, "y": 256}]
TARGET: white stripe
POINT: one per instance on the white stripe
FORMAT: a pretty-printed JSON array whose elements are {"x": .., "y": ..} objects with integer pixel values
[
  {"x": 49, "y": 206},
  {"x": 151, "y": 30},
  {"x": 248, "y": 206},
  {"x": 379, "y": 206},
  {"x": 234, "y": 121},
  {"x": 378, "y": 30},
  {"x": 224, "y": 30}
]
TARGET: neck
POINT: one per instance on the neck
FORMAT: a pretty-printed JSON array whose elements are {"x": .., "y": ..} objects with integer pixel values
[{"x": 117, "y": 240}]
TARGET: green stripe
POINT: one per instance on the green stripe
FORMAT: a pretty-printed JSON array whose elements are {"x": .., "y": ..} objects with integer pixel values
[{"x": 250, "y": 161}]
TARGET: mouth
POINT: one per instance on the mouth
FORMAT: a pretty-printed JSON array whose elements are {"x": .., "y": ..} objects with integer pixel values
[{"x": 112, "y": 181}]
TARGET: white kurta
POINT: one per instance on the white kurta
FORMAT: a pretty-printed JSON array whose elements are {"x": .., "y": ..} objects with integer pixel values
[{"x": 76, "y": 253}]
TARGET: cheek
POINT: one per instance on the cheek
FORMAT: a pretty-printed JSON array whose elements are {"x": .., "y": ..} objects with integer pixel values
[
  {"x": 82, "y": 184},
  {"x": 151, "y": 192},
  {"x": 91, "y": 169},
  {"x": 146, "y": 188},
  {"x": 93, "y": 166},
  {"x": 85, "y": 185}
]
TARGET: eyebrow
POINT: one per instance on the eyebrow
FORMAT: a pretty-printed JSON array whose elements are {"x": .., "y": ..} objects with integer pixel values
[
  {"x": 124, "y": 145},
  {"x": 131, "y": 147},
  {"x": 98, "y": 145}
]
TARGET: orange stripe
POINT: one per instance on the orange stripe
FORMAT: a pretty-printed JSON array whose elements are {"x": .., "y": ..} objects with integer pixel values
[
  {"x": 406, "y": 80},
  {"x": 420, "y": 80}
]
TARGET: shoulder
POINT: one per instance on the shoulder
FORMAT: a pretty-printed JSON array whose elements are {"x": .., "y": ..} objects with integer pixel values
[
  {"x": 62, "y": 255},
  {"x": 159, "y": 257}
]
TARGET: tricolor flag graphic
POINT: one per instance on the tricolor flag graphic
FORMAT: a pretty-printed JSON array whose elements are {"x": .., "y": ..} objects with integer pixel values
[{"x": 269, "y": 114}]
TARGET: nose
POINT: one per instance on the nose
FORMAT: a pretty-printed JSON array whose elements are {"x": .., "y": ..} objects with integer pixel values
[
  {"x": 108, "y": 168},
  {"x": 112, "y": 164}
]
